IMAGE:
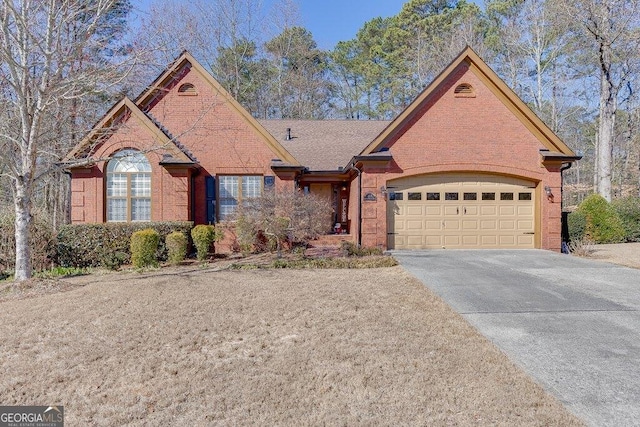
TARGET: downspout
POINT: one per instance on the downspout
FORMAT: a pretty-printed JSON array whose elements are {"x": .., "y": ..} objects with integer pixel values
[
  {"x": 359, "y": 172},
  {"x": 67, "y": 219},
  {"x": 564, "y": 167},
  {"x": 564, "y": 218}
]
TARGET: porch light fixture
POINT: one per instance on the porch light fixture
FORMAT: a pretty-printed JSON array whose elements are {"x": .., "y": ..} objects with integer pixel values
[
  {"x": 383, "y": 190},
  {"x": 548, "y": 192}
]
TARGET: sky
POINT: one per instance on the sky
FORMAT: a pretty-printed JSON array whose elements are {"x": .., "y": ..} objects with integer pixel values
[{"x": 330, "y": 21}]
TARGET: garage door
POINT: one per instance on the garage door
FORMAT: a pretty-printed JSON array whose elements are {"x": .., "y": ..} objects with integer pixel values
[{"x": 461, "y": 211}]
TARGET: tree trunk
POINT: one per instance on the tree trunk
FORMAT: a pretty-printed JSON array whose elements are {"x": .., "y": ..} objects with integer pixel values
[
  {"x": 606, "y": 126},
  {"x": 22, "y": 203},
  {"x": 605, "y": 147}
]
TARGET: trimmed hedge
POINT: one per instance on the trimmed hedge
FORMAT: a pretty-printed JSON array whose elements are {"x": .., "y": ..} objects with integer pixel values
[
  {"x": 177, "y": 245},
  {"x": 203, "y": 237},
  {"x": 144, "y": 248},
  {"x": 108, "y": 244}
]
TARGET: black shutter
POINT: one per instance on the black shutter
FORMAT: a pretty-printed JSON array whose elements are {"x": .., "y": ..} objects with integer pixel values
[{"x": 210, "y": 183}]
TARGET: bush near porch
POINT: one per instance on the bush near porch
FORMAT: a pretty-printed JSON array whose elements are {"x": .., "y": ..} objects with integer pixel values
[{"x": 280, "y": 220}]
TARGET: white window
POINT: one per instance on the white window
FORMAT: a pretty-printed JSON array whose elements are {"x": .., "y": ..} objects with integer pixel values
[
  {"x": 128, "y": 187},
  {"x": 235, "y": 190}
]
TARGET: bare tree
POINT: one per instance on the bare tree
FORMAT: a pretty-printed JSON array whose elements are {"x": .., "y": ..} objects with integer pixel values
[
  {"x": 223, "y": 35},
  {"x": 52, "y": 53},
  {"x": 610, "y": 32}
]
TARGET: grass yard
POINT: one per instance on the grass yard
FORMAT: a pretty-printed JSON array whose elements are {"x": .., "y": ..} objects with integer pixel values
[{"x": 194, "y": 346}]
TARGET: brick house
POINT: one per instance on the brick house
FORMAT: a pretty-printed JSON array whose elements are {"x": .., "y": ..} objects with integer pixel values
[{"x": 466, "y": 165}]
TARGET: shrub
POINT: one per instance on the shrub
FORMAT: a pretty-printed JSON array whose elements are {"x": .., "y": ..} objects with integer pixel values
[
  {"x": 628, "y": 209},
  {"x": 246, "y": 236},
  {"x": 581, "y": 247},
  {"x": 351, "y": 249},
  {"x": 203, "y": 237},
  {"x": 279, "y": 220},
  {"x": 144, "y": 245},
  {"x": 577, "y": 222},
  {"x": 62, "y": 272},
  {"x": 42, "y": 241},
  {"x": 602, "y": 224},
  {"x": 321, "y": 263},
  {"x": 177, "y": 244},
  {"x": 108, "y": 244}
]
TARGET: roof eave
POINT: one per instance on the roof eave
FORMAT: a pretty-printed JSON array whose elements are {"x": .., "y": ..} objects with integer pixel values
[{"x": 548, "y": 155}]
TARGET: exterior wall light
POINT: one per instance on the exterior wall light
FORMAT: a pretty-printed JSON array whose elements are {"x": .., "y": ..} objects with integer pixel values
[{"x": 548, "y": 192}]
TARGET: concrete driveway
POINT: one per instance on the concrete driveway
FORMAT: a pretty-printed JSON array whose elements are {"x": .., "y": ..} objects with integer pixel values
[{"x": 572, "y": 324}]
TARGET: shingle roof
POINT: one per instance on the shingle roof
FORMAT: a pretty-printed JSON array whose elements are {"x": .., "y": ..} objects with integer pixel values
[
  {"x": 324, "y": 145},
  {"x": 173, "y": 139}
]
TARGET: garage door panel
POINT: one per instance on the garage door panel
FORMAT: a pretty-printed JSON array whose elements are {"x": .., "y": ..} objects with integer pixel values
[
  {"x": 451, "y": 224},
  {"x": 433, "y": 241},
  {"x": 525, "y": 239},
  {"x": 525, "y": 210},
  {"x": 452, "y": 241},
  {"x": 451, "y": 210},
  {"x": 507, "y": 210},
  {"x": 413, "y": 225},
  {"x": 414, "y": 211},
  {"x": 508, "y": 240},
  {"x": 507, "y": 225},
  {"x": 490, "y": 212},
  {"x": 413, "y": 240},
  {"x": 488, "y": 224},
  {"x": 470, "y": 225},
  {"x": 433, "y": 211},
  {"x": 525, "y": 225},
  {"x": 433, "y": 225},
  {"x": 489, "y": 241},
  {"x": 470, "y": 240},
  {"x": 470, "y": 210}
]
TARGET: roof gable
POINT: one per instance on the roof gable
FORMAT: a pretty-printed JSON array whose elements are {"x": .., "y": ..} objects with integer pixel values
[
  {"x": 109, "y": 124},
  {"x": 495, "y": 84},
  {"x": 146, "y": 98}
]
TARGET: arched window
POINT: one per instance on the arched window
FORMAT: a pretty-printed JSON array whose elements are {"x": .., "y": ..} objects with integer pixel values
[{"x": 129, "y": 187}]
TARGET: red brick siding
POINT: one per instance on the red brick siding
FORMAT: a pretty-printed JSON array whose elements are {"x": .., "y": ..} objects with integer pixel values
[
  {"x": 214, "y": 132},
  {"x": 480, "y": 134}
]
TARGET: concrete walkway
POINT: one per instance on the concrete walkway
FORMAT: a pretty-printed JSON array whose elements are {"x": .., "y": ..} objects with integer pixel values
[{"x": 572, "y": 324}]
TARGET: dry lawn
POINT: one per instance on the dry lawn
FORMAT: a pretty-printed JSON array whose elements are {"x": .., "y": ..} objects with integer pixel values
[
  {"x": 194, "y": 346},
  {"x": 627, "y": 254}
]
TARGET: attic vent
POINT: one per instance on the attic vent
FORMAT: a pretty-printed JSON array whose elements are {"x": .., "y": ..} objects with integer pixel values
[
  {"x": 187, "y": 89},
  {"x": 464, "y": 90}
]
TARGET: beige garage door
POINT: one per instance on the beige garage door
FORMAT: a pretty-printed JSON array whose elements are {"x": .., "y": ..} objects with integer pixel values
[{"x": 461, "y": 211}]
